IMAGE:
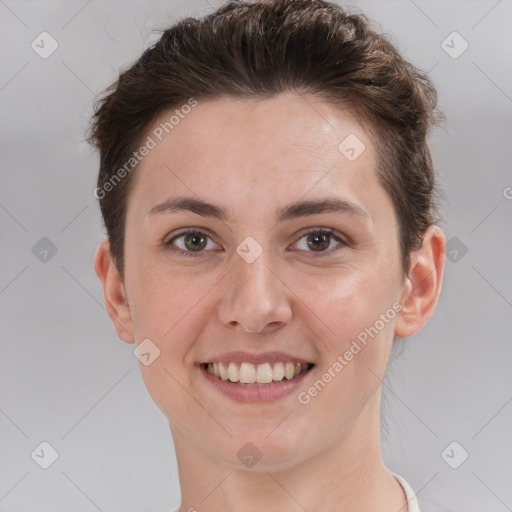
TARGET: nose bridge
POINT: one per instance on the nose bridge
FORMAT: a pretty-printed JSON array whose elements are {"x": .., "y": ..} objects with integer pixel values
[
  {"x": 255, "y": 297},
  {"x": 255, "y": 277}
]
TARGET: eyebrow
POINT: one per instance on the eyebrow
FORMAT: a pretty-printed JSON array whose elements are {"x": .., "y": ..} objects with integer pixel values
[{"x": 289, "y": 212}]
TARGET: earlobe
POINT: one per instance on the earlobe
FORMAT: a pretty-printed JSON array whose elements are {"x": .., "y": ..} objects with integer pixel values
[
  {"x": 114, "y": 292},
  {"x": 423, "y": 285}
]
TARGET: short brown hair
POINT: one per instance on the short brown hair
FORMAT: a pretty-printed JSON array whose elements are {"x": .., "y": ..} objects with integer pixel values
[{"x": 258, "y": 50}]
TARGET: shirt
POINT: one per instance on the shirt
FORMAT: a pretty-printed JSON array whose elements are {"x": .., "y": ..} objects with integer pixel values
[{"x": 409, "y": 493}]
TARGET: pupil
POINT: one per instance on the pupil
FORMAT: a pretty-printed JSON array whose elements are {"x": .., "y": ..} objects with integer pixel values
[
  {"x": 195, "y": 237},
  {"x": 324, "y": 237}
]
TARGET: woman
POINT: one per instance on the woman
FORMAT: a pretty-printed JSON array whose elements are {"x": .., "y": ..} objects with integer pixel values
[{"x": 269, "y": 200}]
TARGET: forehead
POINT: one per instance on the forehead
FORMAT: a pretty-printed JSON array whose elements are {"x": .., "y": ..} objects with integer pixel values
[
  {"x": 256, "y": 148},
  {"x": 264, "y": 124}
]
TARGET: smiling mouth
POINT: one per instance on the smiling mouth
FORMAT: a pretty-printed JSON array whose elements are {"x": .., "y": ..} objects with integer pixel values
[{"x": 260, "y": 374}]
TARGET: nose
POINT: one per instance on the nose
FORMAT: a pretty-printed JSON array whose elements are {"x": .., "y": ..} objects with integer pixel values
[{"x": 255, "y": 297}]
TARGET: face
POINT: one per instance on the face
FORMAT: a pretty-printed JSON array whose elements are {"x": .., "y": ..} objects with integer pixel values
[{"x": 263, "y": 278}]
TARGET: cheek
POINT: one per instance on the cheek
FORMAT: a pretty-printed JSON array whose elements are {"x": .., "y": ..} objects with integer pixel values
[
  {"x": 165, "y": 299},
  {"x": 357, "y": 348},
  {"x": 358, "y": 309},
  {"x": 170, "y": 312},
  {"x": 353, "y": 299}
]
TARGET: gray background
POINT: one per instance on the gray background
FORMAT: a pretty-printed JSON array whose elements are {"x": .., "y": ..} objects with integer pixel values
[{"x": 66, "y": 379}]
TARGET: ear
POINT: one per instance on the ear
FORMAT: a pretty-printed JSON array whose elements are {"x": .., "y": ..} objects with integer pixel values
[
  {"x": 422, "y": 286},
  {"x": 113, "y": 292}
]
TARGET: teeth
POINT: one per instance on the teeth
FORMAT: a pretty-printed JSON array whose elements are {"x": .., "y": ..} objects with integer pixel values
[
  {"x": 223, "y": 372},
  {"x": 289, "y": 370},
  {"x": 278, "y": 371},
  {"x": 264, "y": 373},
  {"x": 247, "y": 373},
  {"x": 233, "y": 372}
]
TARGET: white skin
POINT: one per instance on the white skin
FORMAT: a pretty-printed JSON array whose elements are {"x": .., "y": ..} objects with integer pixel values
[{"x": 252, "y": 157}]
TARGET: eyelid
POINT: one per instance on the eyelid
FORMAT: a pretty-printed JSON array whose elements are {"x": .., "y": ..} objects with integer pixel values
[
  {"x": 175, "y": 234},
  {"x": 330, "y": 231},
  {"x": 167, "y": 242}
]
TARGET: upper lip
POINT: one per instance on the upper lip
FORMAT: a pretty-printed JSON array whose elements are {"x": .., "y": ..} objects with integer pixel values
[{"x": 263, "y": 357}]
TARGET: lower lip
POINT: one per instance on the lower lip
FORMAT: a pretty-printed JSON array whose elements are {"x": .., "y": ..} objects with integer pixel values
[{"x": 255, "y": 393}]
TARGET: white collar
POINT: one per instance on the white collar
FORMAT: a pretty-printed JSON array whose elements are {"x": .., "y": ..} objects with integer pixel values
[{"x": 409, "y": 493}]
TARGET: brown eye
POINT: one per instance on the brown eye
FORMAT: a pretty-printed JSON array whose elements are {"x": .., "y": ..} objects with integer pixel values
[
  {"x": 189, "y": 243},
  {"x": 319, "y": 241},
  {"x": 194, "y": 241}
]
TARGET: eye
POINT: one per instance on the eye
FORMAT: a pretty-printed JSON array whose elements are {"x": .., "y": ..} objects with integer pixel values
[
  {"x": 194, "y": 242},
  {"x": 319, "y": 240}
]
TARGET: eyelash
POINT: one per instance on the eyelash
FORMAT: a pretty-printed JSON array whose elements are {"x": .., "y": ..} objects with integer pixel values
[{"x": 195, "y": 254}]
